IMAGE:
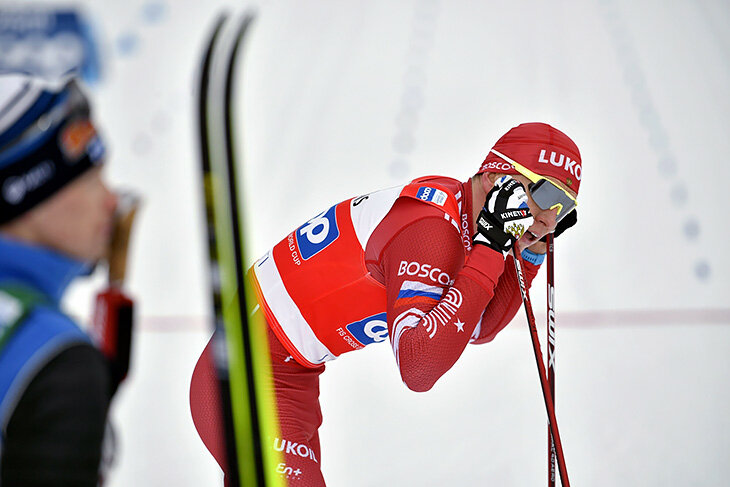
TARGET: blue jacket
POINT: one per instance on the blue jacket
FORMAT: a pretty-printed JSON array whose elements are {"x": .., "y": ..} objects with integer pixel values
[{"x": 45, "y": 331}]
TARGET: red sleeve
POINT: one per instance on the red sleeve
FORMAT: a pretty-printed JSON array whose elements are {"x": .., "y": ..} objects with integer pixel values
[
  {"x": 434, "y": 299},
  {"x": 506, "y": 301}
]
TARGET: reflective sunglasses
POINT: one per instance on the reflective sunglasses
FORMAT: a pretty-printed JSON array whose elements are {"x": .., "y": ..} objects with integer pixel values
[{"x": 546, "y": 194}]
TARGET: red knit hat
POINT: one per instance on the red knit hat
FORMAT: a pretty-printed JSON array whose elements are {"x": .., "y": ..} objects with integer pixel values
[{"x": 541, "y": 148}]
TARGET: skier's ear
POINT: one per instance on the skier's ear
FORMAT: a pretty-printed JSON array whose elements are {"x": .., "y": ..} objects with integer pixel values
[{"x": 487, "y": 180}]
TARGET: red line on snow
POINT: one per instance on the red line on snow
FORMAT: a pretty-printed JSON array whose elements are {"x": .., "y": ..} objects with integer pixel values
[
  {"x": 641, "y": 317},
  {"x": 570, "y": 319}
]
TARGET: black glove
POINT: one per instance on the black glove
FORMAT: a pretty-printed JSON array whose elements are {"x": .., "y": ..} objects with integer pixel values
[
  {"x": 564, "y": 224},
  {"x": 505, "y": 216}
]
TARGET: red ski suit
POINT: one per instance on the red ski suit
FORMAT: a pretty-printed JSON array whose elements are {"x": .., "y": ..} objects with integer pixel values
[{"x": 396, "y": 264}]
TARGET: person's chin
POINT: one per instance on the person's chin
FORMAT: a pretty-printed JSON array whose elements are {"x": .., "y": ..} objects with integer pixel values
[
  {"x": 527, "y": 240},
  {"x": 95, "y": 253},
  {"x": 99, "y": 253}
]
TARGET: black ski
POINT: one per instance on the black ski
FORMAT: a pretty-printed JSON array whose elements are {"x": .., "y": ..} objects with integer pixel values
[{"x": 238, "y": 360}]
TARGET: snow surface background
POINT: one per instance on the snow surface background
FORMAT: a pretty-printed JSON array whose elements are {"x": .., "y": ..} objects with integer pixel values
[{"x": 338, "y": 98}]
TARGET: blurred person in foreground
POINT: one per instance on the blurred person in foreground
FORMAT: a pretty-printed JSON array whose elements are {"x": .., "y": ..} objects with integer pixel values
[
  {"x": 56, "y": 220},
  {"x": 426, "y": 266}
]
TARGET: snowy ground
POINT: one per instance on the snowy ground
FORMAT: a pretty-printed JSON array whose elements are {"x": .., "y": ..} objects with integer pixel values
[{"x": 638, "y": 405}]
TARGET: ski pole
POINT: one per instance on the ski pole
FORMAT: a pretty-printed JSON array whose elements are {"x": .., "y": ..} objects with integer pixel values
[
  {"x": 541, "y": 369},
  {"x": 551, "y": 348}
]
